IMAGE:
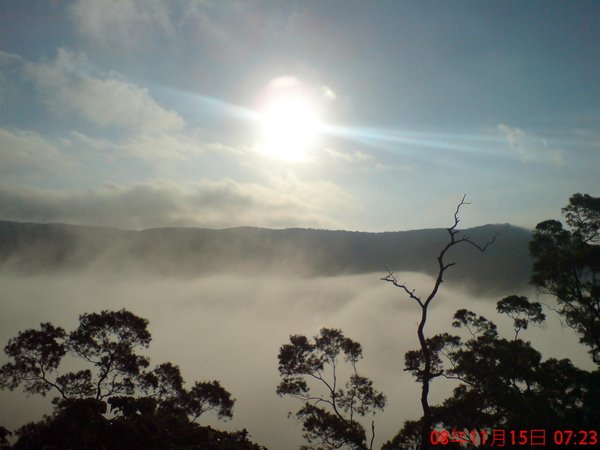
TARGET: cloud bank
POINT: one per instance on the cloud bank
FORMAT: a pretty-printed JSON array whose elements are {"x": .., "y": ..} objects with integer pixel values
[{"x": 68, "y": 86}]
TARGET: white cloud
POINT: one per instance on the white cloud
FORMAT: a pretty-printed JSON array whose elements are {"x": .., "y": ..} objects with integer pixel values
[
  {"x": 27, "y": 152},
  {"x": 350, "y": 157},
  {"x": 27, "y": 156},
  {"x": 530, "y": 147},
  {"x": 170, "y": 146},
  {"x": 280, "y": 203},
  {"x": 8, "y": 60},
  {"x": 158, "y": 148},
  {"x": 68, "y": 86},
  {"x": 81, "y": 141},
  {"x": 128, "y": 25},
  {"x": 328, "y": 93},
  {"x": 121, "y": 24},
  {"x": 217, "y": 27}
]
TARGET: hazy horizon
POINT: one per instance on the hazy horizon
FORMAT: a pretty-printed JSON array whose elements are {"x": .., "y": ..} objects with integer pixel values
[{"x": 75, "y": 224}]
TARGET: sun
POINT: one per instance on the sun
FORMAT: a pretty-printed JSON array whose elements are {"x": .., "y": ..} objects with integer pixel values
[{"x": 289, "y": 120}]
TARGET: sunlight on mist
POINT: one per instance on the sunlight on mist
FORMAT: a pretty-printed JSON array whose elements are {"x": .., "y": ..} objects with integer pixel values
[{"x": 230, "y": 328}]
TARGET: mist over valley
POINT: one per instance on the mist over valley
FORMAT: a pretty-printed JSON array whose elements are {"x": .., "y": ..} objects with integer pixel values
[
  {"x": 33, "y": 248},
  {"x": 220, "y": 303}
]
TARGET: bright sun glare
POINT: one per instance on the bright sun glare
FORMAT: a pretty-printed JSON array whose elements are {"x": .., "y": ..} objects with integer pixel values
[{"x": 289, "y": 119}]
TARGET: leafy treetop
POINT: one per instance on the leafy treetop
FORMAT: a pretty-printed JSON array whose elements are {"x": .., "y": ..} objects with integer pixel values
[{"x": 311, "y": 372}]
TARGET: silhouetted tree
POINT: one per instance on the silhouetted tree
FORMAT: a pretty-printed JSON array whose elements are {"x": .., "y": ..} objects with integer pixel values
[
  {"x": 428, "y": 371},
  {"x": 567, "y": 266},
  {"x": 311, "y": 372},
  {"x": 138, "y": 424},
  {"x": 4, "y": 434},
  {"x": 503, "y": 379},
  {"x": 521, "y": 311},
  {"x": 505, "y": 384},
  {"x": 149, "y": 409},
  {"x": 108, "y": 341},
  {"x": 165, "y": 384},
  {"x": 408, "y": 438}
]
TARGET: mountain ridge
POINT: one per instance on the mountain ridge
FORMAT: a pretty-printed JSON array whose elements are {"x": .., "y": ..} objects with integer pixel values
[{"x": 33, "y": 248}]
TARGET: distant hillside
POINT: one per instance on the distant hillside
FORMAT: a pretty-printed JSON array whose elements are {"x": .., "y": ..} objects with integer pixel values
[{"x": 31, "y": 248}]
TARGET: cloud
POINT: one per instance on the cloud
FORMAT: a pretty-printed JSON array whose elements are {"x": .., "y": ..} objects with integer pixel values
[
  {"x": 123, "y": 24},
  {"x": 350, "y": 157},
  {"x": 130, "y": 25},
  {"x": 328, "y": 93},
  {"x": 8, "y": 60},
  {"x": 164, "y": 151},
  {"x": 224, "y": 30},
  {"x": 280, "y": 203},
  {"x": 358, "y": 157},
  {"x": 29, "y": 156},
  {"x": 171, "y": 146},
  {"x": 530, "y": 148},
  {"x": 26, "y": 152},
  {"x": 70, "y": 86},
  {"x": 67, "y": 86}
]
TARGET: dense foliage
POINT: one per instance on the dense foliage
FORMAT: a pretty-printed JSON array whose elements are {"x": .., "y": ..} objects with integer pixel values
[
  {"x": 117, "y": 402},
  {"x": 504, "y": 383},
  {"x": 330, "y": 407},
  {"x": 567, "y": 266}
]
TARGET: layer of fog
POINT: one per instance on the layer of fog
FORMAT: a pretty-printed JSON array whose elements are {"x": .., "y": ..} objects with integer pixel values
[{"x": 230, "y": 328}]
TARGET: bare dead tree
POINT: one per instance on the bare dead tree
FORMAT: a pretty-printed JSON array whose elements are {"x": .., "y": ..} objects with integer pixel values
[{"x": 391, "y": 277}]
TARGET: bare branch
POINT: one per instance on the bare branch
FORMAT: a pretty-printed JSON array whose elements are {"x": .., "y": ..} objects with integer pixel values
[
  {"x": 50, "y": 383},
  {"x": 483, "y": 248},
  {"x": 456, "y": 218},
  {"x": 392, "y": 278}
]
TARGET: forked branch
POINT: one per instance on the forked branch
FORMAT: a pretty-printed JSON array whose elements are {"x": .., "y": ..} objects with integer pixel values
[{"x": 392, "y": 278}]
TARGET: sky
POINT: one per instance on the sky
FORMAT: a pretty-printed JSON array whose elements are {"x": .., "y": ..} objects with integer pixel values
[{"x": 338, "y": 114}]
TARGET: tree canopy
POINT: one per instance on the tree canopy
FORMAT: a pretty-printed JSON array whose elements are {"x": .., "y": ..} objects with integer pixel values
[
  {"x": 329, "y": 414},
  {"x": 504, "y": 383},
  {"x": 117, "y": 402},
  {"x": 567, "y": 266}
]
